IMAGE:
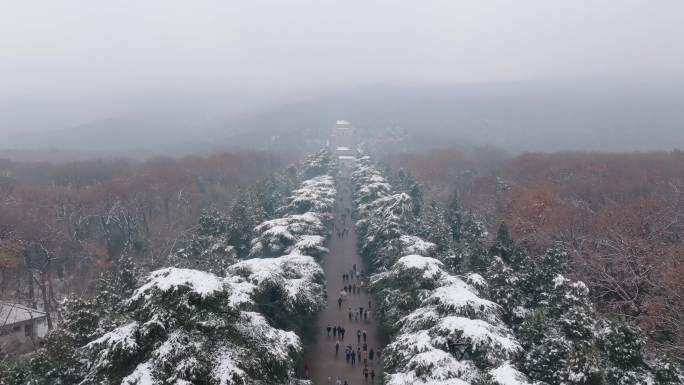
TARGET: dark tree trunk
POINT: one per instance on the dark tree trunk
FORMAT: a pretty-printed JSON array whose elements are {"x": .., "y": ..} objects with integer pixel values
[{"x": 32, "y": 292}]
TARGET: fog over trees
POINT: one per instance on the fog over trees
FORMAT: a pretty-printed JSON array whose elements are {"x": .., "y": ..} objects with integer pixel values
[{"x": 342, "y": 192}]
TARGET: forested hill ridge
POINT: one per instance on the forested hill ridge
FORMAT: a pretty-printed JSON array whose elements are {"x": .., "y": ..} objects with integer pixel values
[
  {"x": 227, "y": 306},
  {"x": 516, "y": 116},
  {"x": 467, "y": 308}
]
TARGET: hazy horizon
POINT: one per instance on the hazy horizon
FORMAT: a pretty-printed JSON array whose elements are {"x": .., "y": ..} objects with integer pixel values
[{"x": 73, "y": 63}]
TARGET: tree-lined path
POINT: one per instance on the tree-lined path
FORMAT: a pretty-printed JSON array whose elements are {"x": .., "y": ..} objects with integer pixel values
[{"x": 320, "y": 357}]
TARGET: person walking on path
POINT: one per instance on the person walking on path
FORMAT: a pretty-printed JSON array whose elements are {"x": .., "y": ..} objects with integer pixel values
[
  {"x": 353, "y": 354},
  {"x": 371, "y": 353},
  {"x": 358, "y": 336},
  {"x": 328, "y": 330},
  {"x": 339, "y": 302},
  {"x": 372, "y": 374},
  {"x": 364, "y": 336},
  {"x": 334, "y": 329},
  {"x": 350, "y": 314},
  {"x": 347, "y": 355},
  {"x": 342, "y": 331},
  {"x": 365, "y": 374},
  {"x": 337, "y": 348}
]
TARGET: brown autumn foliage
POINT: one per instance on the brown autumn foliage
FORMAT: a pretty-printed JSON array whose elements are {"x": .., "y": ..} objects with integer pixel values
[
  {"x": 622, "y": 214},
  {"x": 85, "y": 213}
]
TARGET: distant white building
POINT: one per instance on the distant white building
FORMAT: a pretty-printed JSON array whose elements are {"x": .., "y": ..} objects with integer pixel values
[
  {"x": 342, "y": 145},
  {"x": 21, "y": 328},
  {"x": 342, "y": 139}
]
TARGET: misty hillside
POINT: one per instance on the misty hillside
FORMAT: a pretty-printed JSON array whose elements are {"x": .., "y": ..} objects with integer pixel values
[{"x": 514, "y": 116}]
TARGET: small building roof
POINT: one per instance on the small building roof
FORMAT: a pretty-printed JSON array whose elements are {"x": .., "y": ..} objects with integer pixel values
[
  {"x": 345, "y": 157},
  {"x": 342, "y": 148},
  {"x": 11, "y": 313}
]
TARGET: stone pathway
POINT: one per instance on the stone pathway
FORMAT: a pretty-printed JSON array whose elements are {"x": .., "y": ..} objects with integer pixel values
[{"x": 320, "y": 355}]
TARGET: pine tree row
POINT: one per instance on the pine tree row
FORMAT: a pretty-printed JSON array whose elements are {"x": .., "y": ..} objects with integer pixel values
[{"x": 442, "y": 330}]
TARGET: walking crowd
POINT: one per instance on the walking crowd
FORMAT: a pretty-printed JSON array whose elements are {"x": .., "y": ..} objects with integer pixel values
[
  {"x": 353, "y": 311},
  {"x": 362, "y": 356}
]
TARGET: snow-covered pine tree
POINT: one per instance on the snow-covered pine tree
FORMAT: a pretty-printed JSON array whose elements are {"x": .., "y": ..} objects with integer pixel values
[
  {"x": 503, "y": 245},
  {"x": 472, "y": 249},
  {"x": 435, "y": 228},
  {"x": 314, "y": 195},
  {"x": 504, "y": 289},
  {"x": 208, "y": 247},
  {"x": 454, "y": 217},
  {"x": 245, "y": 214},
  {"x": 316, "y": 164},
  {"x": 392, "y": 216},
  {"x": 369, "y": 184},
  {"x": 303, "y": 233},
  {"x": 402, "y": 288},
  {"x": 188, "y": 326}
]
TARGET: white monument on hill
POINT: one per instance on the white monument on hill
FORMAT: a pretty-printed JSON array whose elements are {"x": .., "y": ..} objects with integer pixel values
[{"x": 343, "y": 143}]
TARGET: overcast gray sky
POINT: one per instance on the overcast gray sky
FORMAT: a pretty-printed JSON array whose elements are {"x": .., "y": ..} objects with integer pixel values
[{"x": 68, "y": 62}]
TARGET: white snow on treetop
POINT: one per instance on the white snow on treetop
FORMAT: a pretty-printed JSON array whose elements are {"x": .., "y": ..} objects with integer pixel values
[
  {"x": 120, "y": 342},
  {"x": 411, "y": 379},
  {"x": 122, "y": 338},
  {"x": 299, "y": 275},
  {"x": 506, "y": 374},
  {"x": 171, "y": 278},
  {"x": 411, "y": 244},
  {"x": 282, "y": 235},
  {"x": 226, "y": 370},
  {"x": 315, "y": 195},
  {"x": 559, "y": 280},
  {"x": 142, "y": 375},
  {"x": 254, "y": 327},
  {"x": 430, "y": 266},
  {"x": 240, "y": 291},
  {"x": 416, "y": 353},
  {"x": 476, "y": 280},
  {"x": 479, "y": 332},
  {"x": 457, "y": 296}
]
